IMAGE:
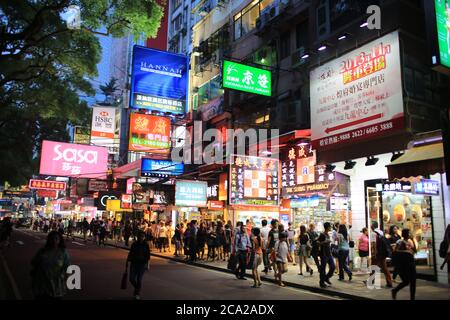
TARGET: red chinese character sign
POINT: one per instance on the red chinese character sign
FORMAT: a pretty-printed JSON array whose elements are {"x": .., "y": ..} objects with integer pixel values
[
  {"x": 297, "y": 167},
  {"x": 149, "y": 133},
  {"x": 254, "y": 181},
  {"x": 358, "y": 96},
  {"x": 47, "y": 185}
]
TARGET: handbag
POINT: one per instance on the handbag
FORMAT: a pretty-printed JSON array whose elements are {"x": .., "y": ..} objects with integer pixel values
[
  {"x": 250, "y": 260},
  {"x": 232, "y": 262},
  {"x": 334, "y": 250},
  {"x": 273, "y": 256},
  {"x": 351, "y": 244},
  {"x": 123, "y": 284}
]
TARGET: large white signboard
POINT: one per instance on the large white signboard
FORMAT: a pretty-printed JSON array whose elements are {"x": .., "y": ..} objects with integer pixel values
[{"x": 358, "y": 95}]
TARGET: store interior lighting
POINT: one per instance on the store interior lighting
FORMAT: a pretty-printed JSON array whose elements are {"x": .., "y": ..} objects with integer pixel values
[
  {"x": 349, "y": 164},
  {"x": 322, "y": 48},
  {"x": 396, "y": 155},
  {"x": 371, "y": 161}
]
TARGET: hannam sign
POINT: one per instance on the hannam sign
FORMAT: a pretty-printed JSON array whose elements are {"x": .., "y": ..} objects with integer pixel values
[
  {"x": 73, "y": 160},
  {"x": 245, "y": 78}
]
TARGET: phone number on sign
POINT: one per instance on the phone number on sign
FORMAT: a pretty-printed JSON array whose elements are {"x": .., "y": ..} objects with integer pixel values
[{"x": 372, "y": 130}]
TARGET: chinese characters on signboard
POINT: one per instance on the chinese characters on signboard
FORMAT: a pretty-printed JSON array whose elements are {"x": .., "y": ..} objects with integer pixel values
[
  {"x": 159, "y": 81},
  {"x": 191, "y": 193},
  {"x": 149, "y": 133},
  {"x": 245, "y": 78},
  {"x": 359, "y": 95},
  {"x": 160, "y": 168},
  {"x": 298, "y": 167},
  {"x": 254, "y": 181},
  {"x": 47, "y": 185}
]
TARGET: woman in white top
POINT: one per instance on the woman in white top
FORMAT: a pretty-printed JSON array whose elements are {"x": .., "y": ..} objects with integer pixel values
[
  {"x": 282, "y": 252},
  {"x": 170, "y": 232},
  {"x": 162, "y": 236}
]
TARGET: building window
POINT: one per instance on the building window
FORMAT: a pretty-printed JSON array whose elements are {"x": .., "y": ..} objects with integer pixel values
[
  {"x": 302, "y": 35},
  {"x": 245, "y": 20},
  {"x": 262, "y": 119},
  {"x": 285, "y": 45},
  {"x": 177, "y": 23},
  {"x": 209, "y": 91},
  {"x": 175, "y": 4}
]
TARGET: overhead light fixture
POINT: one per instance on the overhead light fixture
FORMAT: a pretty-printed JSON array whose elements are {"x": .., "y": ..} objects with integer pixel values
[
  {"x": 371, "y": 161},
  {"x": 396, "y": 155},
  {"x": 266, "y": 152},
  {"x": 349, "y": 164},
  {"x": 196, "y": 54},
  {"x": 363, "y": 25},
  {"x": 344, "y": 36},
  {"x": 305, "y": 56},
  {"x": 330, "y": 168},
  {"x": 322, "y": 48}
]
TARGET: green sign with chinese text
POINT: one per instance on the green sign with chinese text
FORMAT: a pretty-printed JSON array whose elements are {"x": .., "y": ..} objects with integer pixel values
[
  {"x": 245, "y": 78},
  {"x": 443, "y": 26}
]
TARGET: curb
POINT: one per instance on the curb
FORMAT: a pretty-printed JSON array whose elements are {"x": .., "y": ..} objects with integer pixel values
[{"x": 265, "y": 278}]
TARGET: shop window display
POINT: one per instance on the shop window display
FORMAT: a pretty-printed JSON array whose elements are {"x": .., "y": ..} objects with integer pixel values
[{"x": 406, "y": 210}]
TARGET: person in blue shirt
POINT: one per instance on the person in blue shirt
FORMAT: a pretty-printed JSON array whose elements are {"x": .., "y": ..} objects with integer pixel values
[{"x": 241, "y": 246}]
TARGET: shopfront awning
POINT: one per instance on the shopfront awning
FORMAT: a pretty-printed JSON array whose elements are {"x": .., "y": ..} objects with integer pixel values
[{"x": 418, "y": 161}]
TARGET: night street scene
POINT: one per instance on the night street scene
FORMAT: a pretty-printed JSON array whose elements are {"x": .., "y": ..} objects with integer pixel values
[{"x": 225, "y": 157}]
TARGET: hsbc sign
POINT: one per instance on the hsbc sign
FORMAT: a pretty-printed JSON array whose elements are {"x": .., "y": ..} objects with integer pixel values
[{"x": 103, "y": 126}]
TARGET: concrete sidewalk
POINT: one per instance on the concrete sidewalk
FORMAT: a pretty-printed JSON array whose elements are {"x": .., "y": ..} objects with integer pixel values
[{"x": 356, "y": 289}]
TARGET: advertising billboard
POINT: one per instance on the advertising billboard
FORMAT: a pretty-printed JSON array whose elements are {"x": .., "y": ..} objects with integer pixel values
[
  {"x": 82, "y": 135},
  {"x": 358, "y": 95},
  {"x": 254, "y": 181},
  {"x": 73, "y": 160},
  {"x": 191, "y": 193},
  {"x": 442, "y": 10},
  {"x": 241, "y": 77},
  {"x": 103, "y": 196},
  {"x": 47, "y": 185},
  {"x": 97, "y": 185},
  {"x": 149, "y": 134},
  {"x": 126, "y": 201},
  {"x": 297, "y": 167},
  {"x": 160, "y": 168},
  {"x": 103, "y": 126},
  {"x": 159, "y": 81}
]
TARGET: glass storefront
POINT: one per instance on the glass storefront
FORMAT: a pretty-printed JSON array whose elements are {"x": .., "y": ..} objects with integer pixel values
[{"x": 393, "y": 204}]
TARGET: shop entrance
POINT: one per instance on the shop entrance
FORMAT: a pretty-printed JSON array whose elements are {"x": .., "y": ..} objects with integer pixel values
[{"x": 392, "y": 204}]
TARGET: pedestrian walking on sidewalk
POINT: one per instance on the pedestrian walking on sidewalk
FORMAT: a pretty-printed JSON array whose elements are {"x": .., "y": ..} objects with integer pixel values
[
  {"x": 291, "y": 240},
  {"x": 227, "y": 242},
  {"x": 102, "y": 234},
  {"x": 202, "y": 235},
  {"x": 444, "y": 248},
  {"x": 363, "y": 249},
  {"x": 325, "y": 256},
  {"x": 282, "y": 252},
  {"x": 162, "y": 236},
  {"x": 85, "y": 228},
  {"x": 241, "y": 246},
  {"x": 343, "y": 252},
  {"x": 257, "y": 243},
  {"x": 127, "y": 230},
  {"x": 381, "y": 250},
  {"x": 394, "y": 236},
  {"x": 48, "y": 269},
  {"x": 138, "y": 257},
  {"x": 405, "y": 263},
  {"x": 313, "y": 238},
  {"x": 272, "y": 240},
  {"x": 304, "y": 250},
  {"x": 265, "y": 236}
]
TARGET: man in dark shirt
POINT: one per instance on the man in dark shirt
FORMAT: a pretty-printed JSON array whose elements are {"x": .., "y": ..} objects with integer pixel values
[
  {"x": 138, "y": 257},
  {"x": 325, "y": 256}
]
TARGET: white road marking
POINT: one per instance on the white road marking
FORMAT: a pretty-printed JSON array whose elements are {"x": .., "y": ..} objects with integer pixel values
[
  {"x": 20, "y": 242},
  {"x": 80, "y": 244}
]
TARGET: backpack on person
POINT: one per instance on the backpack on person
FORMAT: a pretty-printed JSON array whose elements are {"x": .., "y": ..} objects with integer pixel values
[
  {"x": 384, "y": 248},
  {"x": 443, "y": 249}
]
